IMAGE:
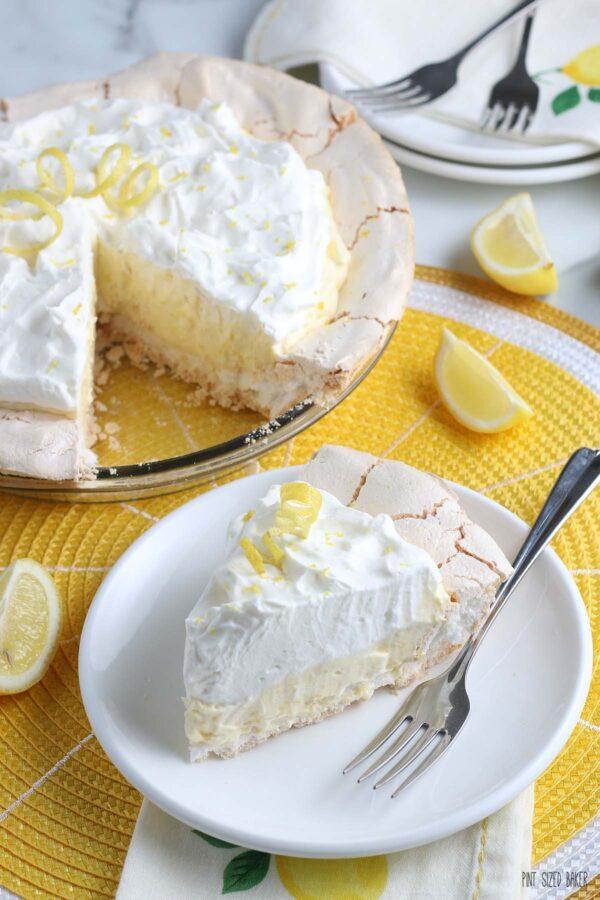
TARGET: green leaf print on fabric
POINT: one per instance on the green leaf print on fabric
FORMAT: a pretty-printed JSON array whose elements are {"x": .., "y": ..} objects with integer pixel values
[
  {"x": 594, "y": 95},
  {"x": 566, "y": 100},
  {"x": 213, "y": 841},
  {"x": 245, "y": 871}
]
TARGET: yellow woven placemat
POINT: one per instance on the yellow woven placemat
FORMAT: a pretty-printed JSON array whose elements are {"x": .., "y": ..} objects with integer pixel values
[{"x": 66, "y": 815}]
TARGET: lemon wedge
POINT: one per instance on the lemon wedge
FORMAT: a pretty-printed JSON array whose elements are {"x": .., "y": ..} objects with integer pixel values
[
  {"x": 510, "y": 249},
  {"x": 30, "y": 619},
  {"x": 473, "y": 391}
]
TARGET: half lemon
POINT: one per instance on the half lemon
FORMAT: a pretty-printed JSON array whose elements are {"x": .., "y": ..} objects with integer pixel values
[
  {"x": 510, "y": 248},
  {"x": 30, "y": 620},
  {"x": 473, "y": 390}
]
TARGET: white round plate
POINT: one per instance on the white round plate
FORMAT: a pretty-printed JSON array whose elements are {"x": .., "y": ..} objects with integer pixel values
[
  {"x": 427, "y": 134},
  {"x": 550, "y": 174},
  {"x": 527, "y": 688}
]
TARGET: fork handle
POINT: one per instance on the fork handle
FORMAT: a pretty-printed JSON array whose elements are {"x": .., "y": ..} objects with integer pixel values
[
  {"x": 578, "y": 478},
  {"x": 520, "y": 61},
  {"x": 503, "y": 20}
]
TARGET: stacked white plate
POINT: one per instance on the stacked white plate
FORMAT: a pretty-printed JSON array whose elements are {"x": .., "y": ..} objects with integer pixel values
[{"x": 427, "y": 143}]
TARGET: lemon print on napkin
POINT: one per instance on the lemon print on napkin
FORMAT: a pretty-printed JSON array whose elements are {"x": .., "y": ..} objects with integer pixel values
[
  {"x": 333, "y": 879},
  {"x": 304, "y": 879},
  {"x": 583, "y": 69}
]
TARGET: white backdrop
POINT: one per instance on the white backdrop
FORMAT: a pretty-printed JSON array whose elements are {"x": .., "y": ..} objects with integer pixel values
[{"x": 45, "y": 42}]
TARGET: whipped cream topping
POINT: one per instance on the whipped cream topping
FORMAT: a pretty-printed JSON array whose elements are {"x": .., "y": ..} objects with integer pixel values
[
  {"x": 243, "y": 218},
  {"x": 352, "y": 583}
]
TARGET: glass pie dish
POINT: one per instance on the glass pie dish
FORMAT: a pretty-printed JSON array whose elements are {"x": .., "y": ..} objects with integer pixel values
[{"x": 158, "y": 435}]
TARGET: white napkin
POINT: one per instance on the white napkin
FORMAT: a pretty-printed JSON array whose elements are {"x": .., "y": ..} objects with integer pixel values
[
  {"x": 487, "y": 861},
  {"x": 373, "y": 42}
]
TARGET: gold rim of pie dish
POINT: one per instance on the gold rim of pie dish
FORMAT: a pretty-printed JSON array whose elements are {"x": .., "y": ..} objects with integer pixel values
[{"x": 177, "y": 473}]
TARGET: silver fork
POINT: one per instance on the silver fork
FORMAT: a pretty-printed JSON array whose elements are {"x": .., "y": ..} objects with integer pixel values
[
  {"x": 429, "y": 82},
  {"x": 514, "y": 99},
  {"x": 436, "y": 710}
]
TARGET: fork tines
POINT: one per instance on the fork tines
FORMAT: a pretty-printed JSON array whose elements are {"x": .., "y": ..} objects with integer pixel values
[
  {"x": 400, "y": 95},
  {"x": 502, "y": 120},
  {"x": 416, "y": 741}
]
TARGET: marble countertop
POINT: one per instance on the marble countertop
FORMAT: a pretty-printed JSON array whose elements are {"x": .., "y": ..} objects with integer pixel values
[{"x": 66, "y": 40}]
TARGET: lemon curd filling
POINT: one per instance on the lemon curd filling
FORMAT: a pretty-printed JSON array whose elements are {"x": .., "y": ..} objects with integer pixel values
[{"x": 212, "y": 250}]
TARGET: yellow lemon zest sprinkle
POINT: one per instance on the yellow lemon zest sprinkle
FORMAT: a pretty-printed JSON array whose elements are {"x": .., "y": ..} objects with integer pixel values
[
  {"x": 233, "y": 149},
  {"x": 298, "y": 508},
  {"x": 201, "y": 187},
  {"x": 65, "y": 264},
  {"x": 253, "y": 555},
  {"x": 48, "y": 180},
  {"x": 282, "y": 170},
  {"x": 268, "y": 299},
  {"x": 107, "y": 176},
  {"x": 289, "y": 246},
  {"x": 166, "y": 132},
  {"x": 91, "y": 129},
  {"x": 248, "y": 515},
  {"x": 127, "y": 197},
  {"x": 76, "y": 309},
  {"x": 52, "y": 365},
  {"x": 302, "y": 493},
  {"x": 178, "y": 177},
  {"x": 247, "y": 277},
  {"x": 290, "y": 285},
  {"x": 45, "y": 207},
  {"x": 266, "y": 225},
  {"x": 274, "y": 550}
]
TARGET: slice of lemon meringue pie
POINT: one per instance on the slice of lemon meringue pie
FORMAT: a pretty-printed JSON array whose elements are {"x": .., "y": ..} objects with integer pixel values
[
  {"x": 362, "y": 573},
  {"x": 239, "y": 226}
]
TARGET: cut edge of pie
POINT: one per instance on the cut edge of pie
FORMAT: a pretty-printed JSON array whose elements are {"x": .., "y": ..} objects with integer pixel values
[{"x": 369, "y": 206}]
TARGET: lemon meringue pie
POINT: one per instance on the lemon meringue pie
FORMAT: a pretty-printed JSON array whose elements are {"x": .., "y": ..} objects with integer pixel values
[
  {"x": 363, "y": 573},
  {"x": 241, "y": 227}
]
